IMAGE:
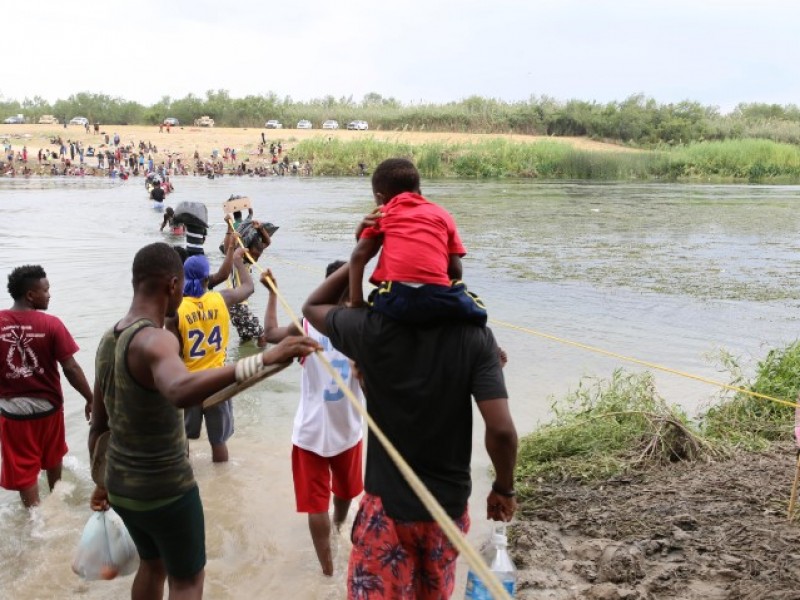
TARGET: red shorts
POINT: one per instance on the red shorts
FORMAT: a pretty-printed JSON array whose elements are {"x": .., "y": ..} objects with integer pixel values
[
  {"x": 400, "y": 560},
  {"x": 28, "y": 446},
  {"x": 315, "y": 476}
]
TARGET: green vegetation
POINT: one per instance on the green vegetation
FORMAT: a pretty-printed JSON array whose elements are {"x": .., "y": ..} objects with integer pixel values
[
  {"x": 753, "y": 423},
  {"x": 637, "y": 120},
  {"x": 749, "y": 160},
  {"x": 609, "y": 427},
  {"x": 756, "y": 142},
  {"x": 754, "y": 160}
]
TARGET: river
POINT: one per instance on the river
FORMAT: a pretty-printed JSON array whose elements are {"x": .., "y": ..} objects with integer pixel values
[{"x": 666, "y": 273}]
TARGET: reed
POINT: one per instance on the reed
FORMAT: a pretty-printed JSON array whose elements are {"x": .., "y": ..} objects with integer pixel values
[
  {"x": 739, "y": 160},
  {"x": 753, "y": 423},
  {"x": 606, "y": 427}
]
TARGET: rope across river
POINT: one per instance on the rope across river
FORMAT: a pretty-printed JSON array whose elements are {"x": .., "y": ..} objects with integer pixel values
[{"x": 623, "y": 357}]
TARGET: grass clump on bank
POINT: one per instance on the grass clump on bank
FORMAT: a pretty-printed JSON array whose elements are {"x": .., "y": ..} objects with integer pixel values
[
  {"x": 752, "y": 423},
  {"x": 607, "y": 427}
]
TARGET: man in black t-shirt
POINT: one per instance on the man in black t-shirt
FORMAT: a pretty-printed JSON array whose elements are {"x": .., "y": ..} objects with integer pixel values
[
  {"x": 157, "y": 194},
  {"x": 418, "y": 382}
]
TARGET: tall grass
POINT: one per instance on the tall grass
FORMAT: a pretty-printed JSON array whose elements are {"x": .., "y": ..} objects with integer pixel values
[
  {"x": 753, "y": 423},
  {"x": 606, "y": 427},
  {"x": 742, "y": 160},
  {"x": 753, "y": 160}
]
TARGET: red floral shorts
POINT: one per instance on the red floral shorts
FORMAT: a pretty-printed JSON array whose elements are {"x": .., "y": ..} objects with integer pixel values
[{"x": 400, "y": 560}]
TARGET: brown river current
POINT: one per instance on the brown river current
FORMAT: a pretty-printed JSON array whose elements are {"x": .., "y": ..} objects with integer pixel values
[{"x": 670, "y": 274}]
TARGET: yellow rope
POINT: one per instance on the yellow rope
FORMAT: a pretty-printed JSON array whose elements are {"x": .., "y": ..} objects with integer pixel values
[
  {"x": 644, "y": 363},
  {"x": 623, "y": 357},
  {"x": 438, "y": 513},
  {"x": 619, "y": 356},
  {"x": 294, "y": 264}
]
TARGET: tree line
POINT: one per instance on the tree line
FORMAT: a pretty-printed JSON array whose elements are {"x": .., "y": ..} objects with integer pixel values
[{"x": 637, "y": 121}]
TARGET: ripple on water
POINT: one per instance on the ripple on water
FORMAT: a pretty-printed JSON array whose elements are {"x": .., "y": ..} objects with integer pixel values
[{"x": 666, "y": 273}]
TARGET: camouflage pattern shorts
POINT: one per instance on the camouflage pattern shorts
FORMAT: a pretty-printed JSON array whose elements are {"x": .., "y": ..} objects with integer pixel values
[{"x": 246, "y": 323}]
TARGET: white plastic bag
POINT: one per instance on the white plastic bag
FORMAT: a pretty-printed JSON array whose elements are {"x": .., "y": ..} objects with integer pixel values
[{"x": 106, "y": 549}]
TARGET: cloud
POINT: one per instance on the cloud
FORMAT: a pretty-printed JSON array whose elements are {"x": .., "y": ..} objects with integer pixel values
[{"x": 716, "y": 52}]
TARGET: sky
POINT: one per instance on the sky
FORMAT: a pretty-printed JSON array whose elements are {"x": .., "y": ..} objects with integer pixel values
[{"x": 716, "y": 52}]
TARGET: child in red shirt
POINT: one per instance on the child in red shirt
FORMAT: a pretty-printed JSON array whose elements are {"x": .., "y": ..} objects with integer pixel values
[{"x": 419, "y": 269}]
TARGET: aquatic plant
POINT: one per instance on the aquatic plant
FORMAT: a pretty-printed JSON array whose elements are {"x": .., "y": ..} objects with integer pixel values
[{"x": 752, "y": 160}]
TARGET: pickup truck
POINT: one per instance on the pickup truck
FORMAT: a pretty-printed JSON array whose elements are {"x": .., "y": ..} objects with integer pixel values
[{"x": 14, "y": 120}]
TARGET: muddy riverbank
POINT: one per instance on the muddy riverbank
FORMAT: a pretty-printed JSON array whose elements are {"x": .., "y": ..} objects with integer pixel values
[{"x": 710, "y": 531}]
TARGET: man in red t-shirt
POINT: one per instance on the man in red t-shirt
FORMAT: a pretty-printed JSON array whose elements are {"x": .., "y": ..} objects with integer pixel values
[
  {"x": 32, "y": 344},
  {"x": 419, "y": 269}
]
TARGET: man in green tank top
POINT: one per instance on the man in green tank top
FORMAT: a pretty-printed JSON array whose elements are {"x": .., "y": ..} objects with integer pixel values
[{"x": 141, "y": 385}]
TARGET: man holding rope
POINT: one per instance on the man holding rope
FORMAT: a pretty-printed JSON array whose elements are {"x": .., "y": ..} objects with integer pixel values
[
  {"x": 202, "y": 326},
  {"x": 418, "y": 382},
  {"x": 141, "y": 386},
  {"x": 327, "y": 432},
  {"x": 255, "y": 238}
]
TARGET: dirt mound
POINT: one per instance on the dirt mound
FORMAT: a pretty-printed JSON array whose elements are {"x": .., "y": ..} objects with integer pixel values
[{"x": 691, "y": 531}]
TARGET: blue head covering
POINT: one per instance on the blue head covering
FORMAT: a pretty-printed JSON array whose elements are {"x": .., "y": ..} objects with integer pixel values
[{"x": 195, "y": 270}]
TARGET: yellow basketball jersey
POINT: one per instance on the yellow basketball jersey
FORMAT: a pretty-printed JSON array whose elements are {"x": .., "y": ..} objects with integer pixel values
[{"x": 204, "y": 325}]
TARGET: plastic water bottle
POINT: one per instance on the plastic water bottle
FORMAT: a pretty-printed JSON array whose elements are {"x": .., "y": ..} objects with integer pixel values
[{"x": 495, "y": 554}]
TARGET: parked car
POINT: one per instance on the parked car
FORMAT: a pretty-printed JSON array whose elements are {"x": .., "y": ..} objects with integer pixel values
[
  {"x": 79, "y": 121},
  {"x": 171, "y": 121},
  {"x": 273, "y": 124},
  {"x": 304, "y": 124},
  {"x": 330, "y": 124},
  {"x": 358, "y": 125},
  {"x": 14, "y": 120},
  {"x": 204, "y": 121},
  {"x": 48, "y": 120}
]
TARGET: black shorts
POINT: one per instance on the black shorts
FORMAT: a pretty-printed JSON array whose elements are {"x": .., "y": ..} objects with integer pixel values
[
  {"x": 245, "y": 322},
  {"x": 175, "y": 533},
  {"x": 218, "y": 418},
  {"x": 428, "y": 303}
]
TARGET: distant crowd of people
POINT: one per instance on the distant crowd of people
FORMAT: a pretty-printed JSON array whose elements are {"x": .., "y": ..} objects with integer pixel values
[{"x": 116, "y": 159}]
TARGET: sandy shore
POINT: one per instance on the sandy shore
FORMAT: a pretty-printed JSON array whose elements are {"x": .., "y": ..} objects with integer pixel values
[{"x": 185, "y": 140}]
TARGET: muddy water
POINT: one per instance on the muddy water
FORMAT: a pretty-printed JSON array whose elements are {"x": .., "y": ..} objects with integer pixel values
[{"x": 666, "y": 273}]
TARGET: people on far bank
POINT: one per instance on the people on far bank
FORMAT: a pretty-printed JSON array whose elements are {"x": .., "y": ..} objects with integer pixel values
[
  {"x": 419, "y": 269},
  {"x": 33, "y": 344},
  {"x": 327, "y": 432}
]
